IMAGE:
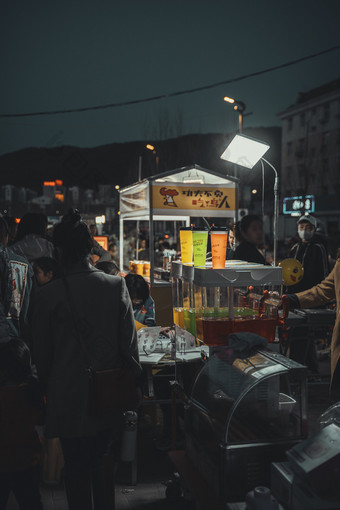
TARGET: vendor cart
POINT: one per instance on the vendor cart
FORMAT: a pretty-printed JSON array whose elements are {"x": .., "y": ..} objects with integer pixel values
[{"x": 153, "y": 211}]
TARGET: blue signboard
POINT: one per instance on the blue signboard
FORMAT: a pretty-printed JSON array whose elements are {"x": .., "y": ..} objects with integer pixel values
[{"x": 298, "y": 204}]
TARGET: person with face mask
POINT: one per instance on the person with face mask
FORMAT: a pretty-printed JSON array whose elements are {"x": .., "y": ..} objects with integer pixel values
[{"x": 312, "y": 254}]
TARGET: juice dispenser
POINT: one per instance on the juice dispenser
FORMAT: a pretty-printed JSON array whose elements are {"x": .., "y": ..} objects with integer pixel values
[
  {"x": 177, "y": 294},
  {"x": 240, "y": 298},
  {"x": 188, "y": 299}
]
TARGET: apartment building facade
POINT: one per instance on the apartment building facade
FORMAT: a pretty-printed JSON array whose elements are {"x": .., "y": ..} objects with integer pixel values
[{"x": 310, "y": 157}]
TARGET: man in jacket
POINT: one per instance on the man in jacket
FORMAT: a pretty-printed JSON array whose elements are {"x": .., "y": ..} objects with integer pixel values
[
  {"x": 321, "y": 294},
  {"x": 101, "y": 306},
  {"x": 17, "y": 281}
]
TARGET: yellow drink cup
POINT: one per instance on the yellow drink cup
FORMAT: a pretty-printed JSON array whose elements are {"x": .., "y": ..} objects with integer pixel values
[
  {"x": 185, "y": 236},
  {"x": 219, "y": 240},
  {"x": 199, "y": 241}
]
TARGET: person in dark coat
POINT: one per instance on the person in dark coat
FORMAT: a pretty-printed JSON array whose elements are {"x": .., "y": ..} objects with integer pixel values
[
  {"x": 249, "y": 234},
  {"x": 21, "y": 410},
  {"x": 311, "y": 252},
  {"x": 104, "y": 316}
]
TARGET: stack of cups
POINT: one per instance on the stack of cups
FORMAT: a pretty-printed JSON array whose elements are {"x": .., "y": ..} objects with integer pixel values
[{"x": 219, "y": 240}]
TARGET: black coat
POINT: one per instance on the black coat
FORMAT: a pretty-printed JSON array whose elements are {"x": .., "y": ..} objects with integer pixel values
[
  {"x": 248, "y": 252},
  {"x": 103, "y": 307},
  {"x": 314, "y": 260}
]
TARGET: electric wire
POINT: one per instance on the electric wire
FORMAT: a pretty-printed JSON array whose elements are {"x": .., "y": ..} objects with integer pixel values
[{"x": 171, "y": 94}]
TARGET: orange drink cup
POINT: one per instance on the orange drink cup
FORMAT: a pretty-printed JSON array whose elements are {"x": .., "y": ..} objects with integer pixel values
[
  {"x": 219, "y": 240},
  {"x": 185, "y": 236},
  {"x": 146, "y": 269},
  {"x": 200, "y": 241},
  {"x": 140, "y": 267}
]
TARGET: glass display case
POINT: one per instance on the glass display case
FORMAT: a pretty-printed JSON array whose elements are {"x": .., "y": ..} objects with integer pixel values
[
  {"x": 244, "y": 414},
  {"x": 241, "y": 297}
]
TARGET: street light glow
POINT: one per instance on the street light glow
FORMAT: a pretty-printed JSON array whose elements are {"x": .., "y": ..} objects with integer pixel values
[
  {"x": 117, "y": 186},
  {"x": 229, "y": 99},
  {"x": 150, "y": 147},
  {"x": 254, "y": 191}
]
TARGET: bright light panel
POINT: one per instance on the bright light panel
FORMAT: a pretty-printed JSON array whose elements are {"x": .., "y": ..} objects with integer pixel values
[{"x": 244, "y": 151}]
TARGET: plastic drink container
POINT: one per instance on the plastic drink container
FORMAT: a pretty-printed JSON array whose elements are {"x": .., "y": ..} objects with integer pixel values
[
  {"x": 185, "y": 236},
  {"x": 219, "y": 239},
  {"x": 199, "y": 241}
]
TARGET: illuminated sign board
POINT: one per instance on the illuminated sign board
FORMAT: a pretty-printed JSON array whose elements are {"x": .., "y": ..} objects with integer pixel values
[
  {"x": 103, "y": 241},
  {"x": 190, "y": 197},
  {"x": 293, "y": 205}
]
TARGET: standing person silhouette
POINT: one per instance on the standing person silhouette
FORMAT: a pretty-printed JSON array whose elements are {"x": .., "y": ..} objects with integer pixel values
[
  {"x": 104, "y": 317},
  {"x": 249, "y": 233}
]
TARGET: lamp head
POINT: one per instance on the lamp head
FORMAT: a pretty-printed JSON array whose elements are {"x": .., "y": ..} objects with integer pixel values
[{"x": 244, "y": 151}]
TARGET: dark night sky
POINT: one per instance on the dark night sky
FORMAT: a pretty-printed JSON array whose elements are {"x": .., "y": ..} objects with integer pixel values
[{"x": 76, "y": 53}]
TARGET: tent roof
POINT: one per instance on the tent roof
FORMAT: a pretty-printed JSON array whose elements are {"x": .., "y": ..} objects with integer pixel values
[{"x": 191, "y": 174}]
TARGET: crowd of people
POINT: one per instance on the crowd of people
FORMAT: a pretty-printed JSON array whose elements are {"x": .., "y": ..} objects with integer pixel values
[
  {"x": 50, "y": 282},
  {"x": 40, "y": 358}
]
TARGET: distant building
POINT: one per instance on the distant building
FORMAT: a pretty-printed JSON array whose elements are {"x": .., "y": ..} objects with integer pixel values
[
  {"x": 25, "y": 195},
  {"x": 74, "y": 195},
  {"x": 9, "y": 193},
  {"x": 310, "y": 155}
]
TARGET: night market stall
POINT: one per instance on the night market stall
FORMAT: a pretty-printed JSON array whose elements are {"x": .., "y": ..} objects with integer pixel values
[{"x": 152, "y": 212}]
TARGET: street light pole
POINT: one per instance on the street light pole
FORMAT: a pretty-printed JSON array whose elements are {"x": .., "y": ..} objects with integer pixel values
[
  {"x": 239, "y": 107},
  {"x": 276, "y": 210},
  {"x": 152, "y": 148}
]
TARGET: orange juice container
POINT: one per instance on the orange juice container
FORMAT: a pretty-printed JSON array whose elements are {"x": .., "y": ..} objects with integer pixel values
[
  {"x": 139, "y": 267},
  {"x": 219, "y": 240},
  {"x": 146, "y": 269}
]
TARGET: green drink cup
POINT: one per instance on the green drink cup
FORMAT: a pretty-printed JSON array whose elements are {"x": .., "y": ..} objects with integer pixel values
[{"x": 200, "y": 241}]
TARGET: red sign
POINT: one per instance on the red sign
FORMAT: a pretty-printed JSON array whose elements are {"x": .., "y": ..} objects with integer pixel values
[{"x": 103, "y": 241}]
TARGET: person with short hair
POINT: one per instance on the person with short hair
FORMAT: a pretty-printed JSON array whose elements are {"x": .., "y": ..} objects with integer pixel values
[
  {"x": 45, "y": 269},
  {"x": 109, "y": 267},
  {"x": 249, "y": 234},
  {"x": 142, "y": 302},
  {"x": 96, "y": 306}
]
